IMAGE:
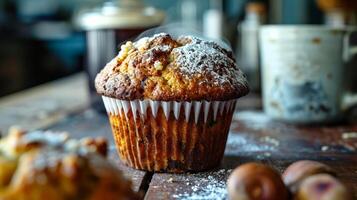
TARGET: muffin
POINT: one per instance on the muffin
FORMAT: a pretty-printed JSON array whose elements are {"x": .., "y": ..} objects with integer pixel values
[
  {"x": 47, "y": 165},
  {"x": 170, "y": 102}
]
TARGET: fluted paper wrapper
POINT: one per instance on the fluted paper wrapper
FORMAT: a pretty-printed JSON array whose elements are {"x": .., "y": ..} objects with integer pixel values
[{"x": 170, "y": 136}]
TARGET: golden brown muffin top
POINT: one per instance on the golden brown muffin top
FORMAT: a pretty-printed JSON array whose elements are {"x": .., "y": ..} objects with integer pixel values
[
  {"x": 166, "y": 69},
  {"x": 46, "y": 165}
]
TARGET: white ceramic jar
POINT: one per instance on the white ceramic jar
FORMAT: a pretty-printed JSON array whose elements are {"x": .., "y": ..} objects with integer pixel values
[{"x": 303, "y": 72}]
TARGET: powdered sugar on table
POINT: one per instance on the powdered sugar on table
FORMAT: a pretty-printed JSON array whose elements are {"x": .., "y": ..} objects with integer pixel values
[{"x": 206, "y": 186}]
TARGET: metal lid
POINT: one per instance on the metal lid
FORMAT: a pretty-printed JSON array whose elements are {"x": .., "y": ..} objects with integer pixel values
[{"x": 119, "y": 14}]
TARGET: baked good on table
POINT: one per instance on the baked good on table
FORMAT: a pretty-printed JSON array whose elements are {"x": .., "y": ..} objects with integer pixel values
[
  {"x": 48, "y": 165},
  {"x": 170, "y": 101},
  {"x": 304, "y": 180},
  {"x": 255, "y": 181},
  {"x": 312, "y": 180}
]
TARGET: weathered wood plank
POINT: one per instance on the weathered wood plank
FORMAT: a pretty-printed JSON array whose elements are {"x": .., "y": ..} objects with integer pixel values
[
  {"x": 254, "y": 137},
  {"x": 45, "y": 104},
  {"x": 90, "y": 123}
]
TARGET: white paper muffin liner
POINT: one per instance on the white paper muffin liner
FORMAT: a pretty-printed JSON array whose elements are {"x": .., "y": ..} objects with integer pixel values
[
  {"x": 170, "y": 136},
  {"x": 116, "y": 106}
]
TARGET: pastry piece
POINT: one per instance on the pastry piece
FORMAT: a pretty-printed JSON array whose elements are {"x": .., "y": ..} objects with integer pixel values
[
  {"x": 47, "y": 165},
  {"x": 170, "y": 102}
]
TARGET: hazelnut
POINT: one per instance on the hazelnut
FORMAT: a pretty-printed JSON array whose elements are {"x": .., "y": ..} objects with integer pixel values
[
  {"x": 322, "y": 187},
  {"x": 299, "y": 170},
  {"x": 253, "y": 181}
]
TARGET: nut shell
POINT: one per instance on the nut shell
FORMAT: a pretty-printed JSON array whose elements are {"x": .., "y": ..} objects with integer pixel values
[
  {"x": 300, "y": 170},
  {"x": 253, "y": 181}
]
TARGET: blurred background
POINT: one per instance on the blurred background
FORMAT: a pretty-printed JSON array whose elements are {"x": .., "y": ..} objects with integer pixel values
[{"x": 43, "y": 40}]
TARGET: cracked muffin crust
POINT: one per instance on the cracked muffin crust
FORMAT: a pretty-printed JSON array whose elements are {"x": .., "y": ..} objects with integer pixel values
[{"x": 167, "y": 69}]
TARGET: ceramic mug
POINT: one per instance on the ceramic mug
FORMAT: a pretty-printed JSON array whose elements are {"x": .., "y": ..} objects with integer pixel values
[{"x": 303, "y": 71}]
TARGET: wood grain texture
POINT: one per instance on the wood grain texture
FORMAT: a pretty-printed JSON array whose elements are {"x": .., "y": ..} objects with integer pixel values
[
  {"x": 255, "y": 137},
  {"x": 45, "y": 104}
]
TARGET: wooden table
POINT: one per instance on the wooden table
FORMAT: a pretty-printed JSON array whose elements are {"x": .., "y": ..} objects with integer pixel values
[{"x": 63, "y": 105}]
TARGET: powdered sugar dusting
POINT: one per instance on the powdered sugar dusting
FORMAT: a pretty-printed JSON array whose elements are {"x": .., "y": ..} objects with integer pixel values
[
  {"x": 206, "y": 186},
  {"x": 244, "y": 143},
  {"x": 198, "y": 57},
  {"x": 143, "y": 43},
  {"x": 161, "y": 67}
]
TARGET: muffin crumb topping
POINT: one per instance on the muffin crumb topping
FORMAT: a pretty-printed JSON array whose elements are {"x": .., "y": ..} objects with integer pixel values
[
  {"x": 124, "y": 50},
  {"x": 158, "y": 65},
  {"x": 163, "y": 68}
]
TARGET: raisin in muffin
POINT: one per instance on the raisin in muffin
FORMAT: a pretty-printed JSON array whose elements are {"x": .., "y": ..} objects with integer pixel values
[
  {"x": 45, "y": 165},
  {"x": 170, "y": 101}
]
